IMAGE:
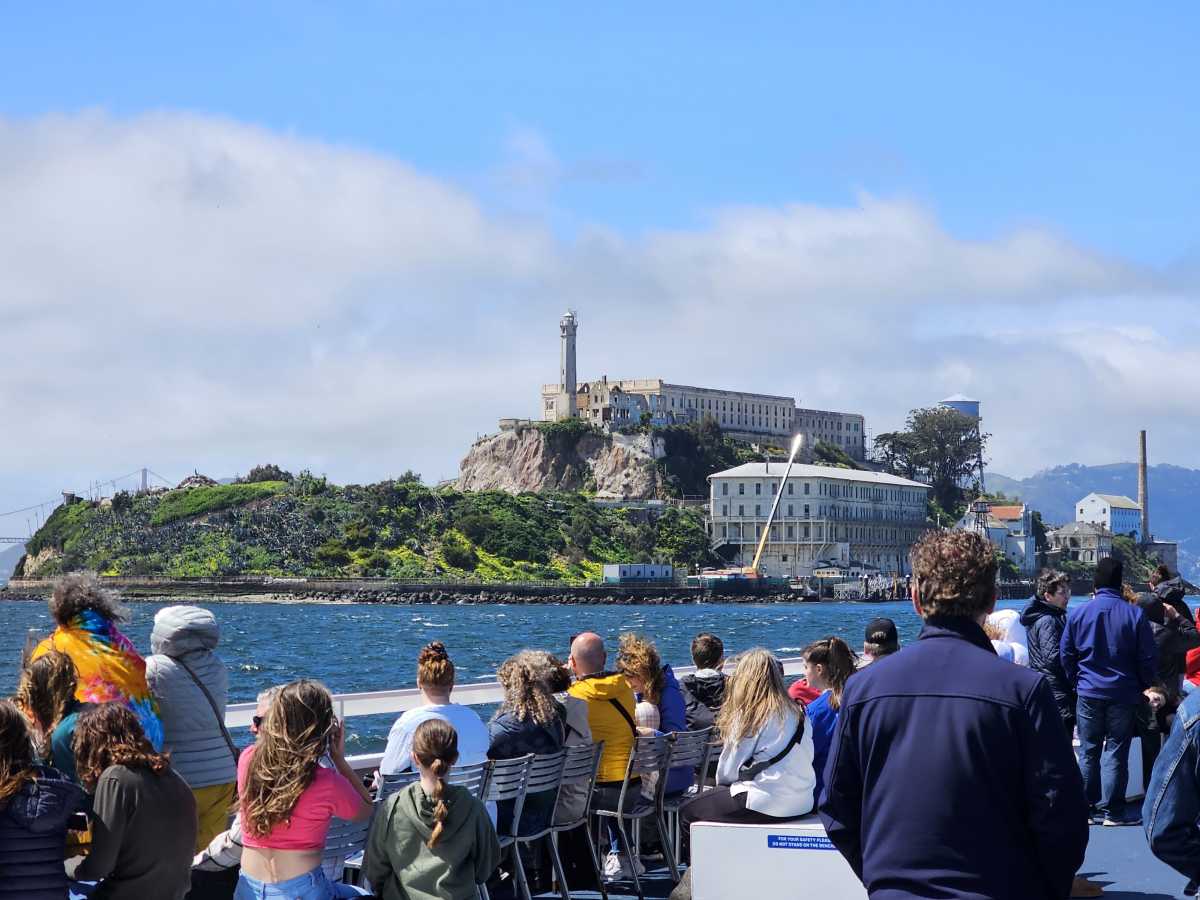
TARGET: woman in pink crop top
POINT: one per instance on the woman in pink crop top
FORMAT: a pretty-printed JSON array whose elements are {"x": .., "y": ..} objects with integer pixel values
[{"x": 287, "y": 798}]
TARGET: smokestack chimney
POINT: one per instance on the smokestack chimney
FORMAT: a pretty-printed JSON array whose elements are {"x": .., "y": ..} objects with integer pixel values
[{"x": 1143, "y": 492}]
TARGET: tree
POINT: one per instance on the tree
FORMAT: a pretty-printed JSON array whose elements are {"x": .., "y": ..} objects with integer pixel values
[
  {"x": 122, "y": 502},
  {"x": 939, "y": 446},
  {"x": 267, "y": 472},
  {"x": 458, "y": 552}
]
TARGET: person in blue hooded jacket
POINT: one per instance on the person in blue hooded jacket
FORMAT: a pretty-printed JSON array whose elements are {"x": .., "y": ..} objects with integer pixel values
[
  {"x": 1109, "y": 655},
  {"x": 36, "y": 803},
  {"x": 639, "y": 662}
]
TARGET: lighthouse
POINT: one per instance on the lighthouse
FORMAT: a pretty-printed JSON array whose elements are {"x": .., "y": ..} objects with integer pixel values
[{"x": 567, "y": 327}]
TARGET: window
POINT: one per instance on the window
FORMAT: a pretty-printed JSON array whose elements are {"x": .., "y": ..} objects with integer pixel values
[
  {"x": 806, "y": 531},
  {"x": 790, "y": 513},
  {"x": 741, "y": 488},
  {"x": 758, "y": 489},
  {"x": 791, "y": 532},
  {"x": 806, "y": 486},
  {"x": 757, "y": 509},
  {"x": 774, "y": 488},
  {"x": 724, "y": 509},
  {"x": 806, "y": 510},
  {"x": 790, "y": 486},
  {"x": 724, "y": 531},
  {"x": 741, "y": 510},
  {"x": 725, "y": 488}
]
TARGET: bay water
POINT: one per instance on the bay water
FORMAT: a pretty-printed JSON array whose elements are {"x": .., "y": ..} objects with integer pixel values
[{"x": 373, "y": 647}]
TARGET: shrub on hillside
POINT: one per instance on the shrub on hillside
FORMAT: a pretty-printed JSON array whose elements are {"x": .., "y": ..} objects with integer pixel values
[
  {"x": 333, "y": 553},
  {"x": 458, "y": 552},
  {"x": 268, "y": 472},
  {"x": 200, "y": 500},
  {"x": 67, "y": 523}
]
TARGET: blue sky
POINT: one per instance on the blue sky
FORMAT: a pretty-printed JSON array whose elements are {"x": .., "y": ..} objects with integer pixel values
[
  {"x": 1081, "y": 117},
  {"x": 341, "y": 237}
]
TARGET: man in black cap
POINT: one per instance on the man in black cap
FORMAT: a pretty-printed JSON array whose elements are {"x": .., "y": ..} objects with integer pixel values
[{"x": 880, "y": 640}]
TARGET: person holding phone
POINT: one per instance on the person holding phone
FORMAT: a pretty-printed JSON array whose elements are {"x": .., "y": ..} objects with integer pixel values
[{"x": 287, "y": 797}]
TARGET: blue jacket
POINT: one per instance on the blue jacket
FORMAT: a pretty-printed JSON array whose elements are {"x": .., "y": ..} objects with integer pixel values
[
  {"x": 822, "y": 721},
  {"x": 1171, "y": 811},
  {"x": 672, "y": 712},
  {"x": 33, "y": 836},
  {"x": 1108, "y": 649},
  {"x": 950, "y": 775}
]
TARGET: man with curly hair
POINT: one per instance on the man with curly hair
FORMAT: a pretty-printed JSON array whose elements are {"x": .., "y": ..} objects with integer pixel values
[{"x": 949, "y": 774}]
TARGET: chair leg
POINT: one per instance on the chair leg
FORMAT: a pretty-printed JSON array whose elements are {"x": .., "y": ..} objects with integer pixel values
[
  {"x": 519, "y": 870},
  {"x": 483, "y": 892},
  {"x": 595, "y": 862},
  {"x": 556, "y": 862},
  {"x": 668, "y": 850},
  {"x": 627, "y": 847}
]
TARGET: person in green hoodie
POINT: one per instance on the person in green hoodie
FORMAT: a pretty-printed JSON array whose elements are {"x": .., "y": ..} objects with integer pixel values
[{"x": 432, "y": 840}]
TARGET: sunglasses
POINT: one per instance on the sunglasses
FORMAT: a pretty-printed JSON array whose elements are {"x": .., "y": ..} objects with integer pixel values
[{"x": 257, "y": 720}]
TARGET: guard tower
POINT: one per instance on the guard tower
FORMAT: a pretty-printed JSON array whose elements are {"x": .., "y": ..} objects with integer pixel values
[{"x": 567, "y": 327}]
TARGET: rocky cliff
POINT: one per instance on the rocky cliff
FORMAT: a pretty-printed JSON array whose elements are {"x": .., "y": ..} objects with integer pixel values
[{"x": 539, "y": 459}]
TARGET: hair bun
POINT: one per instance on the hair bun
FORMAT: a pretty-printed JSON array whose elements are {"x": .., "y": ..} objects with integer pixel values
[{"x": 434, "y": 650}]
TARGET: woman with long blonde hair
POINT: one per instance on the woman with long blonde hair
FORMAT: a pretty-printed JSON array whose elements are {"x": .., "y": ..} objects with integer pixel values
[
  {"x": 766, "y": 768},
  {"x": 287, "y": 798},
  {"x": 653, "y": 682}
]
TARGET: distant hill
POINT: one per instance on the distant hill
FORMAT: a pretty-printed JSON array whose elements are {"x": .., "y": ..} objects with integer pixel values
[
  {"x": 10, "y": 554},
  {"x": 1174, "y": 499}
]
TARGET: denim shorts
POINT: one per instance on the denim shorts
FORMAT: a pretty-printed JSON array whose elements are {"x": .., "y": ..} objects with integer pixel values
[{"x": 314, "y": 885}]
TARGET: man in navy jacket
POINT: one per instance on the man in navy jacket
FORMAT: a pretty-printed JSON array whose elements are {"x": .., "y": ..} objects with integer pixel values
[
  {"x": 950, "y": 774},
  {"x": 1108, "y": 653}
]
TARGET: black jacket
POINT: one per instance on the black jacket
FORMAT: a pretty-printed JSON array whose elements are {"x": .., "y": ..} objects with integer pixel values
[
  {"x": 1173, "y": 638},
  {"x": 702, "y": 697},
  {"x": 950, "y": 775},
  {"x": 1044, "y": 623},
  {"x": 33, "y": 836},
  {"x": 1172, "y": 591}
]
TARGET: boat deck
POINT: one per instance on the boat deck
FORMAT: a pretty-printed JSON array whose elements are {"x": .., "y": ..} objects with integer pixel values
[{"x": 1117, "y": 858}]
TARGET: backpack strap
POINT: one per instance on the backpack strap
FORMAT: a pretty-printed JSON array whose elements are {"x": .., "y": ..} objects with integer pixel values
[
  {"x": 212, "y": 703},
  {"x": 625, "y": 715},
  {"x": 749, "y": 771}
]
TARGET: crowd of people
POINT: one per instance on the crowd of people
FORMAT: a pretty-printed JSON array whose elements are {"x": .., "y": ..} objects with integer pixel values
[{"x": 945, "y": 769}]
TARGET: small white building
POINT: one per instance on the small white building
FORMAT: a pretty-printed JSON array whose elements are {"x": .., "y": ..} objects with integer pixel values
[
  {"x": 637, "y": 573},
  {"x": 1117, "y": 513},
  {"x": 825, "y": 514},
  {"x": 1010, "y": 529}
]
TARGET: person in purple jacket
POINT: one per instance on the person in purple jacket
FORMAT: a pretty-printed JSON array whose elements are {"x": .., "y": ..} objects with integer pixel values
[{"x": 1108, "y": 653}]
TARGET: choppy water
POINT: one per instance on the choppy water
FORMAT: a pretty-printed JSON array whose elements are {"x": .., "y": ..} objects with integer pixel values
[{"x": 367, "y": 647}]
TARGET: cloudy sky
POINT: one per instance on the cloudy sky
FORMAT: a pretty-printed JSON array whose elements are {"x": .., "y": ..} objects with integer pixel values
[{"x": 343, "y": 242}]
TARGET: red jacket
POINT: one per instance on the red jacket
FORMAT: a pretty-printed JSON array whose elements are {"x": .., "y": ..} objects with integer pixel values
[{"x": 1192, "y": 672}]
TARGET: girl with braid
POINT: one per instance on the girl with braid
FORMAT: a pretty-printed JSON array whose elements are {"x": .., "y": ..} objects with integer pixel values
[
  {"x": 287, "y": 798},
  {"x": 431, "y": 840}
]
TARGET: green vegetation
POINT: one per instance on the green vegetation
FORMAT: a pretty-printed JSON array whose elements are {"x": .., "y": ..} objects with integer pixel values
[
  {"x": 395, "y": 529},
  {"x": 199, "y": 500}
]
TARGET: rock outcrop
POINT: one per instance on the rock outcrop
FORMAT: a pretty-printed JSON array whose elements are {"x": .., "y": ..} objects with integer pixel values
[{"x": 616, "y": 466}]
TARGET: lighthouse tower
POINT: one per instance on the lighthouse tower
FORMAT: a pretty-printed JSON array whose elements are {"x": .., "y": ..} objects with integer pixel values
[{"x": 567, "y": 326}]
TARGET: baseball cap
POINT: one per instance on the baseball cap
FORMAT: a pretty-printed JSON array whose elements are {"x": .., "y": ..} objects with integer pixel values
[{"x": 882, "y": 631}]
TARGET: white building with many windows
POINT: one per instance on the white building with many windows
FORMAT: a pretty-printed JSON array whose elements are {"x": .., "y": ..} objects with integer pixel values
[
  {"x": 825, "y": 513},
  {"x": 1116, "y": 512}
]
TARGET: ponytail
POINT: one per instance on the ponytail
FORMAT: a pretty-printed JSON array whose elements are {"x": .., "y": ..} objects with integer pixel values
[
  {"x": 435, "y": 745},
  {"x": 839, "y": 661}
]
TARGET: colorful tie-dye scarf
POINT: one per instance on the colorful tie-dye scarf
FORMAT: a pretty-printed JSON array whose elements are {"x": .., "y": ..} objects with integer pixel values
[{"x": 108, "y": 667}]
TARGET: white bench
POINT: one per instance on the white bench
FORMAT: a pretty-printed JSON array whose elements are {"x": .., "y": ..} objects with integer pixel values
[{"x": 756, "y": 862}]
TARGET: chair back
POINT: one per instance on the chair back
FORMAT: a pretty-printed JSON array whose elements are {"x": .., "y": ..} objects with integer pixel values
[
  {"x": 507, "y": 782},
  {"x": 580, "y": 764},
  {"x": 546, "y": 772},
  {"x": 649, "y": 754},
  {"x": 690, "y": 748},
  {"x": 344, "y": 840},
  {"x": 474, "y": 778}
]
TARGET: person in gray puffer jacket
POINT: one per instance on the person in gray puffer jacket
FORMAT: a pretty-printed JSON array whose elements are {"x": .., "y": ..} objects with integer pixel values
[{"x": 183, "y": 639}]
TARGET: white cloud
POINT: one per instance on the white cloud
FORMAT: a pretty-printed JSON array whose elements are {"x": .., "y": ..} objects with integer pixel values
[{"x": 192, "y": 292}]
